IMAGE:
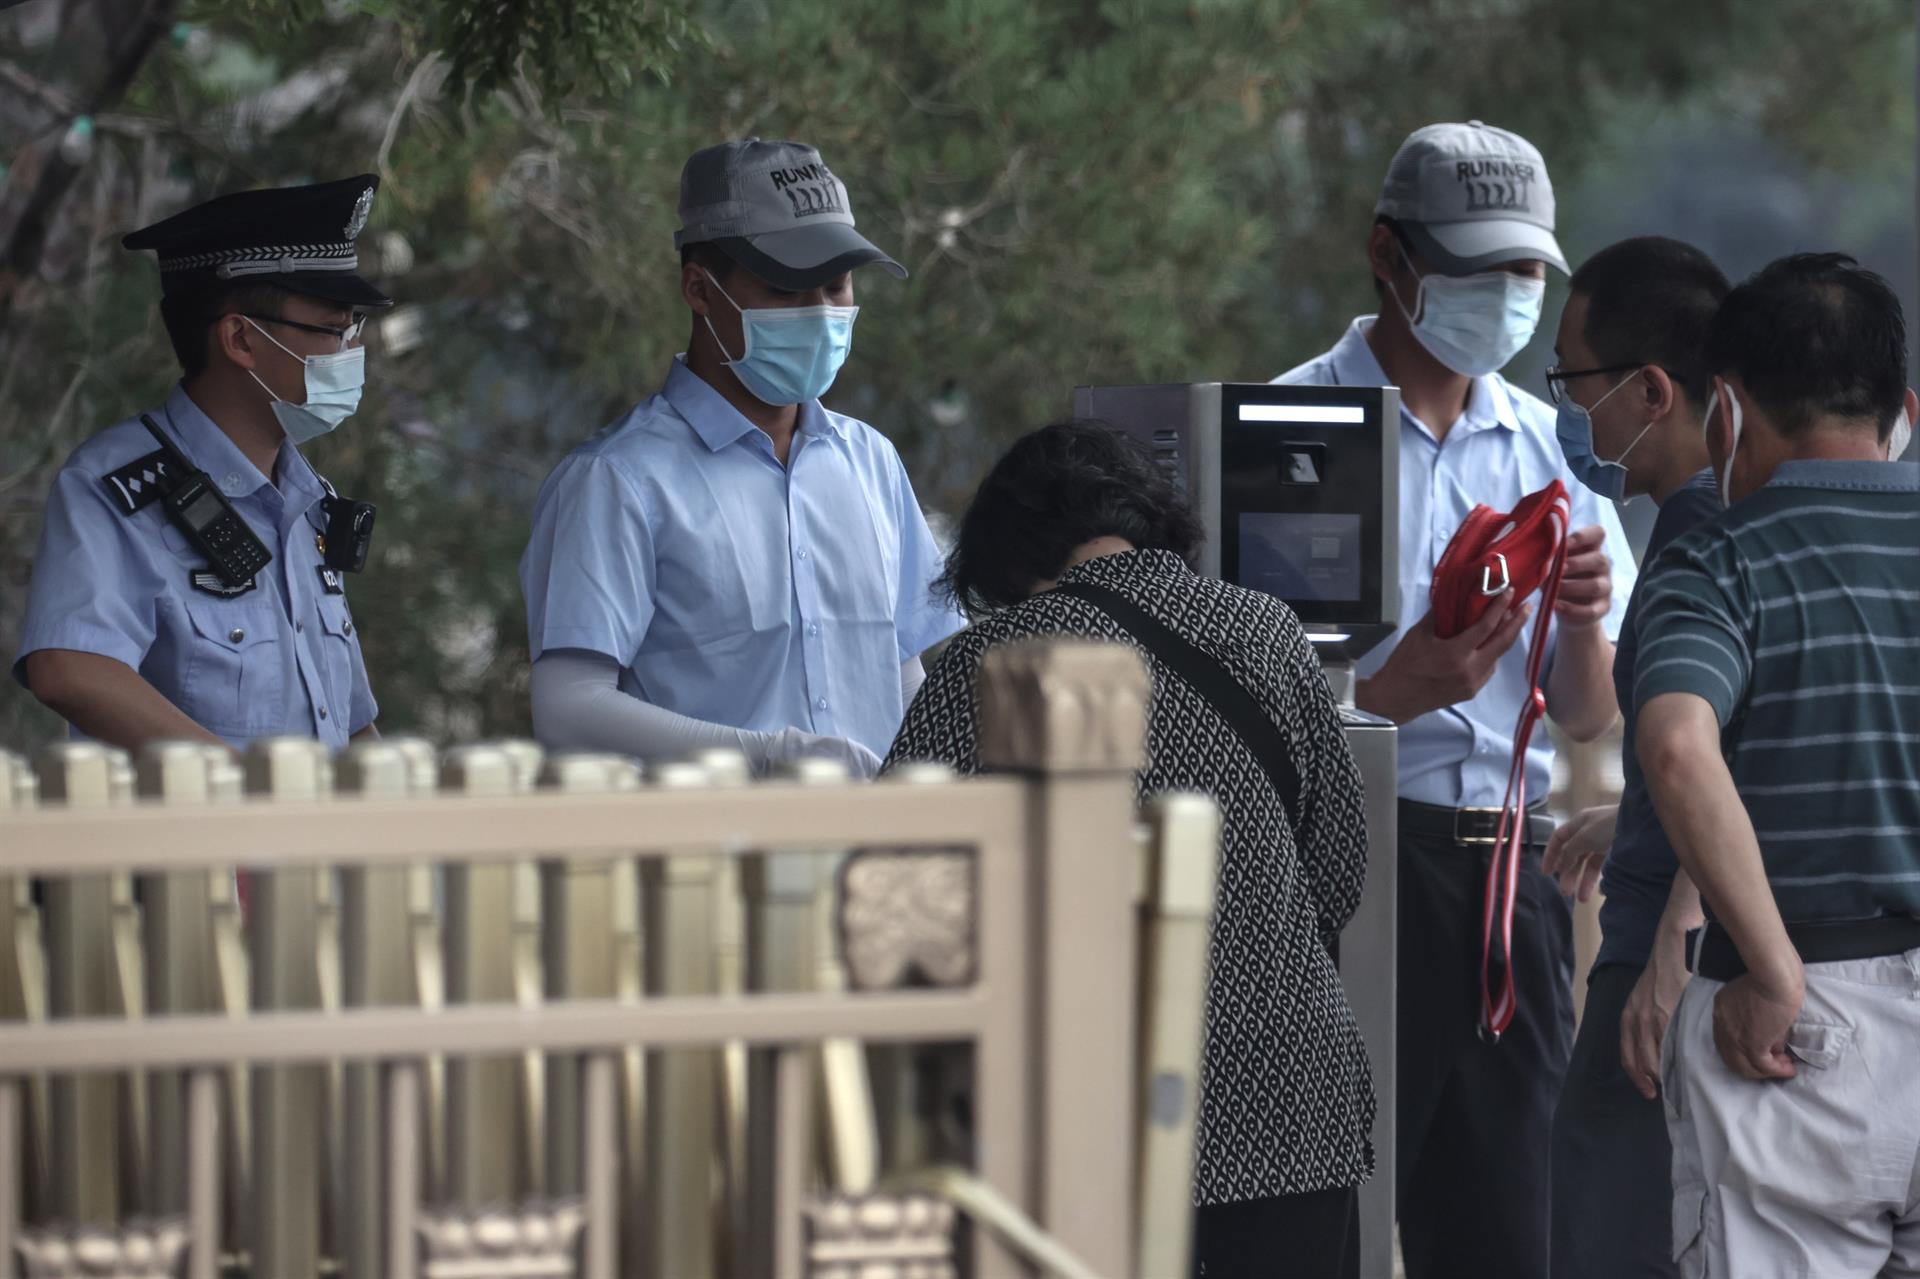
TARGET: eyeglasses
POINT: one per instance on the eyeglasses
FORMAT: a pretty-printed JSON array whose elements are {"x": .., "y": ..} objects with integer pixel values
[
  {"x": 347, "y": 336},
  {"x": 1557, "y": 377}
]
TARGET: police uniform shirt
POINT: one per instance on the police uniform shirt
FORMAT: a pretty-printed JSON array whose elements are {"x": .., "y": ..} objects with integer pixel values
[
  {"x": 730, "y": 588},
  {"x": 1501, "y": 449},
  {"x": 277, "y": 656}
]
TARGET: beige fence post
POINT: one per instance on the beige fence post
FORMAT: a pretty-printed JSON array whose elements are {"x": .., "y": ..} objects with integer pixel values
[
  {"x": 376, "y": 971},
  {"x": 1177, "y": 932},
  {"x": 428, "y": 950},
  {"x": 527, "y": 758},
  {"x": 85, "y": 1120},
  {"x": 233, "y": 992},
  {"x": 180, "y": 964},
  {"x": 1072, "y": 718},
  {"x": 485, "y": 1120},
  {"x": 577, "y": 931},
  {"x": 23, "y": 997},
  {"x": 288, "y": 1101},
  {"x": 729, "y": 768},
  {"x": 682, "y": 1085}
]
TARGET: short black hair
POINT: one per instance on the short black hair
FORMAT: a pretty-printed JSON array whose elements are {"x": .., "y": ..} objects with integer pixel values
[
  {"x": 1651, "y": 300},
  {"x": 711, "y": 257},
  {"x": 1814, "y": 334},
  {"x": 187, "y": 316},
  {"x": 1057, "y": 489}
]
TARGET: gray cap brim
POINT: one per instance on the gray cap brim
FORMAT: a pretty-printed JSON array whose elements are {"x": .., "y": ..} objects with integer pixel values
[
  {"x": 1462, "y": 248},
  {"x": 806, "y": 257}
]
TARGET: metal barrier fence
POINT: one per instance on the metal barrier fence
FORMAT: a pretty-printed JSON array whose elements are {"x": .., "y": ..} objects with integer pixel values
[{"x": 493, "y": 1015}]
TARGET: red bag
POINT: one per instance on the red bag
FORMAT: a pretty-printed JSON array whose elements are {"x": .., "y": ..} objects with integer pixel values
[{"x": 1489, "y": 556}]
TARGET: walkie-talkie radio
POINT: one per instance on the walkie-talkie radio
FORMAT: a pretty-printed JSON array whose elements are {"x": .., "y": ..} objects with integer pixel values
[{"x": 202, "y": 512}]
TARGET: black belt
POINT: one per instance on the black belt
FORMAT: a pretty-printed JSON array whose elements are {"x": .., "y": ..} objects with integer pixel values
[
  {"x": 1828, "y": 942},
  {"x": 1469, "y": 827}
]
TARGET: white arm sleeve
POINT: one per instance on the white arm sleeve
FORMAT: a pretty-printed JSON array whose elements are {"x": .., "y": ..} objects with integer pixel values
[{"x": 578, "y": 705}]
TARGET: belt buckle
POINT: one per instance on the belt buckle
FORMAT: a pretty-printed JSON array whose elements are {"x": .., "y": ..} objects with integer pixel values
[{"x": 1476, "y": 840}]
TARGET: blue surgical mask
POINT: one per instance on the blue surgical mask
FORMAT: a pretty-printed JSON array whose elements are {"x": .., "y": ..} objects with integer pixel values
[
  {"x": 1575, "y": 429},
  {"x": 792, "y": 353},
  {"x": 333, "y": 382},
  {"x": 1473, "y": 324},
  {"x": 1733, "y": 415}
]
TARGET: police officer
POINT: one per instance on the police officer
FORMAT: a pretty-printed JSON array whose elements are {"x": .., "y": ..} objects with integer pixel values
[
  {"x": 189, "y": 581},
  {"x": 1459, "y": 251},
  {"x": 731, "y": 564}
]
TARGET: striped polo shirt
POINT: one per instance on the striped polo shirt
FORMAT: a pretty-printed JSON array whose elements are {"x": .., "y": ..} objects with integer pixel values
[{"x": 1796, "y": 615}]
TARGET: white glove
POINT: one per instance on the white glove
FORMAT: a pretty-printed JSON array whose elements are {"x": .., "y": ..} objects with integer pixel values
[{"x": 790, "y": 744}]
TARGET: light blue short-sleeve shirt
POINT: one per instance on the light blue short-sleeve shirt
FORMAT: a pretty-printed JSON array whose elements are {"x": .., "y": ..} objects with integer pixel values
[
  {"x": 1502, "y": 448},
  {"x": 279, "y": 656},
  {"x": 730, "y": 588}
]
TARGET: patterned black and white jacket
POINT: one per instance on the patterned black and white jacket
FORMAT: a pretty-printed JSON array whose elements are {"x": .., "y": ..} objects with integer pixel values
[{"x": 1287, "y": 1099}]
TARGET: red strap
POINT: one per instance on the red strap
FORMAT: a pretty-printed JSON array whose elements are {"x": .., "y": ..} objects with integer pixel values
[{"x": 1498, "y": 999}]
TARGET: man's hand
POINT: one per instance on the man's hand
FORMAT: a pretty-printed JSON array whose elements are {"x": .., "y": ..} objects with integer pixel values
[
  {"x": 1751, "y": 1017},
  {"x": 1649, "y": 1008},
  {"x": 1586, "y": 586},
  {"x": 1425, "y": 673},
  {"x": 1578, "y": 850},
  {"x": 792, "y": 744}
]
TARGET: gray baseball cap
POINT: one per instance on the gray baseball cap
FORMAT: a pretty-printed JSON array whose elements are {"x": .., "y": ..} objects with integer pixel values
[
  {"x": 777, "y": 210},
  {"x": 1472, "y": 197}
]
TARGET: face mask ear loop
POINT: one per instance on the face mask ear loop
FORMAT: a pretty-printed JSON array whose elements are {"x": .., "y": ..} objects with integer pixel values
[
  {"x": 1419, "y": 292},
  {"x": 708, "y": 321}
]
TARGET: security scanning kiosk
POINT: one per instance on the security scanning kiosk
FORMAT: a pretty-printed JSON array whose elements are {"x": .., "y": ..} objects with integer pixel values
[{"x": 1298, "y": 488}]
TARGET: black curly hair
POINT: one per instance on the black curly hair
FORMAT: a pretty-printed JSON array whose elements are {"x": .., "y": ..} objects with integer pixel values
[{"x": 1055, "y": 490}]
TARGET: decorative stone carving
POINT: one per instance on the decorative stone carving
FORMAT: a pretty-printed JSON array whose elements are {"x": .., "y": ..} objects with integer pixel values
[
  {"x": 1052, "y": 707},
  {"x": 879, "y": 1236},
  {"x": 525, "y": 1242},
  {"x": 907, "y": 915},
  {"x": 139, "y": 1250}
]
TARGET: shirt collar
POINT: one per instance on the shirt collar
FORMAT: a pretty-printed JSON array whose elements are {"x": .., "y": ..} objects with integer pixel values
[
  {"x": 717, "y": 422},
  {"x": 1833, "y": 473},
  {"x": 1489, "y": 403},
  {"x": 1125, "y": 564},
  {"x": 212, "y": 450}
]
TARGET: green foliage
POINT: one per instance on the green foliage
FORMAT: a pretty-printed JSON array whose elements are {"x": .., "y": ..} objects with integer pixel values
[{"x": 1084, "y": 190}]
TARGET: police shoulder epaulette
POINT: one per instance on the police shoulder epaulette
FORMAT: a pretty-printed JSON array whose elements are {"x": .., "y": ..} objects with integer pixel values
[{"x": 140, "y": 482}]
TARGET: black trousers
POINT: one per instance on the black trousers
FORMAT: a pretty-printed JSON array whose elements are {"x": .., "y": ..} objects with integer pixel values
[
  {"x": 1612, "y": 1161},
  {"x": 1474, "y": 1117},
  {"x": 1310, "y": 1236}
]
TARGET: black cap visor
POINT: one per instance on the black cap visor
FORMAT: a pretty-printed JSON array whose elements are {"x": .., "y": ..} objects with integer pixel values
[
  {"x": 808, "y": 257},
  {"x": 343, "y": 287}
]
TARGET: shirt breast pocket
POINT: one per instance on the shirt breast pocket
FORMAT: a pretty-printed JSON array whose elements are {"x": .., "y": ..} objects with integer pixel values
[
  {"x": 336, "y": 644},
  {"x": 235, "y": 684}
]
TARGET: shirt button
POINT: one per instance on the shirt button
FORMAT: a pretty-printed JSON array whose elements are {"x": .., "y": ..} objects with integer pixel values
[
  {"x": 347, "y": 629},
  {"x": 820, "y": 705},
  {"x": 235, "y": 635},
  {"x": 803, "y": 553},
  {"x": 323, "y": 712},
  {"x": 813, "y": 628}
]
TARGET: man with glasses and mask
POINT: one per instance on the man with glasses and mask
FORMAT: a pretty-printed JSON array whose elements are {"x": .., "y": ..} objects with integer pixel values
[
  {"x": 731, "y": 565},
  {"x": 1630, "y": 384},
  {"x": 190, "y": 578},
  {"x": 1459, "y": 251}
]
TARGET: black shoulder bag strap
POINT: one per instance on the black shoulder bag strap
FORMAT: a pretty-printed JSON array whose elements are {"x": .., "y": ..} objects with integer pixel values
[{"x": 1207, "y": 677}]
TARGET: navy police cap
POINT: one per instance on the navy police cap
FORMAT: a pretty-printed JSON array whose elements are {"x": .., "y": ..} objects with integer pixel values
[{"x": 297, "y": 238}]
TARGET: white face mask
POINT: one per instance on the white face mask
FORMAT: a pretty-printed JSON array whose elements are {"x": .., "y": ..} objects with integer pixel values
[
  {"x": 1901, "y": 437},
  {"x": 333, "y": 384},
  {"x": 1473, "y": 324},
  {"x": 1733, "y": 415}
]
